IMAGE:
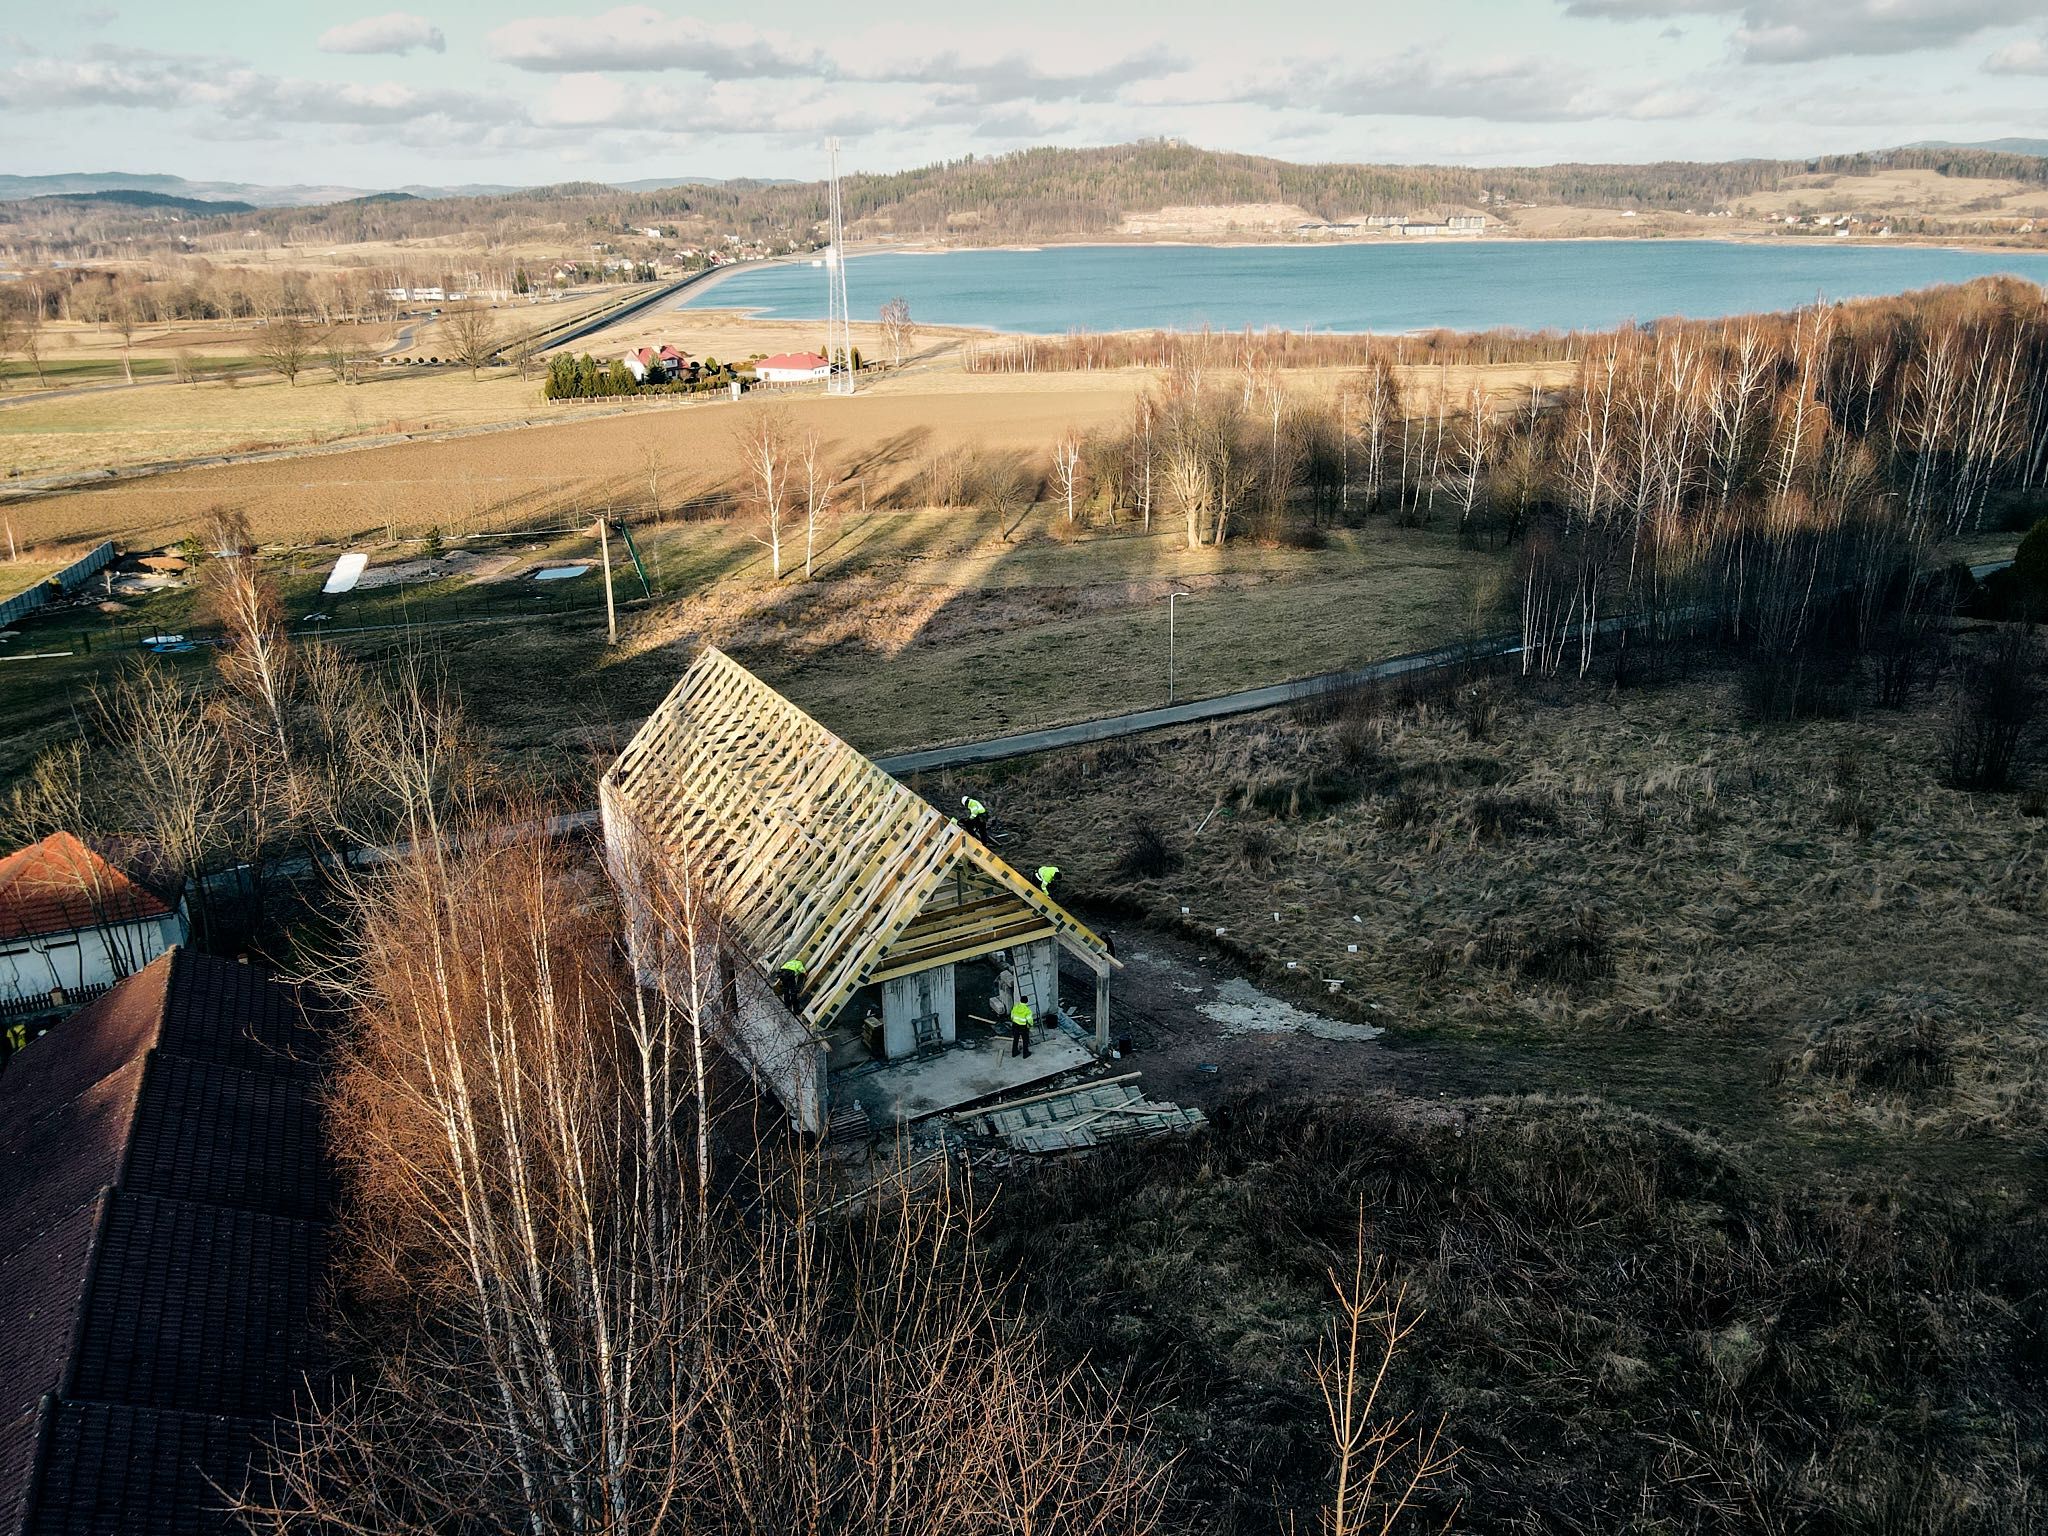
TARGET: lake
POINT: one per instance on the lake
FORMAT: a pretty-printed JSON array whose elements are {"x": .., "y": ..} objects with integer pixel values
[{"x": 1471, "y": 285}]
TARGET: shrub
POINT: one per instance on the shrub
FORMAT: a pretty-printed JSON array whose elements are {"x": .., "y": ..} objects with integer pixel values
[
  {"x": 1148, "y": 855},
  {"x": 1991, "y": 705}
]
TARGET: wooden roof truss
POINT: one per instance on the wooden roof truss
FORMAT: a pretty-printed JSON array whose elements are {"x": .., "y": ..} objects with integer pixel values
[{"x": 811, "y": 851}]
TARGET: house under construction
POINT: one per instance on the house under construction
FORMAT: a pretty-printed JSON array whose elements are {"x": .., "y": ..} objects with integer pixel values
[{"x": 913, "y": 936}]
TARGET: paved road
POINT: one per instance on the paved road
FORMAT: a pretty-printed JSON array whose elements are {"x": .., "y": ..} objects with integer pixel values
[{"x": 625, "y": 311}]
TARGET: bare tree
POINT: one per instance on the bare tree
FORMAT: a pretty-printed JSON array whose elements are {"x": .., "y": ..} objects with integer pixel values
[
  {"x": 32, "y": 348},
  {"x": 256, "y": 659},
  {"x": 1384, "y": 1463},
  {"x": 1066, "y": 471},
  {"x": 897, "y": 328},
  {"x": 472, "y": 336},
  {"x": 560, "y": 1346},
  {"x": 286, "y": 346},
  {"x": 817, "y": 494},
  {"x": 125, "y": 322},
  {"x": 653, "y": 464},
  {"x": 766, "y": 449}
]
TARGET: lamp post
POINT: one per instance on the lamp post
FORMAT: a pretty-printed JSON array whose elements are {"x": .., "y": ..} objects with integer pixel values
[{"x": 1171, "y": 599}]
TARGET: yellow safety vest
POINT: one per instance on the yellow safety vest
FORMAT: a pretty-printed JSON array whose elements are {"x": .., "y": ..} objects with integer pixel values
[{"x": 1020, "y": 1014}]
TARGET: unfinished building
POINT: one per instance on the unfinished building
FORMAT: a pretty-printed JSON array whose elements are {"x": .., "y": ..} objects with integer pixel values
[{"x": 913, "y": 937}]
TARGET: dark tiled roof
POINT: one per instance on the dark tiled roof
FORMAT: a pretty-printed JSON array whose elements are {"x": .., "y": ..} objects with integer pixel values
[
  {"x": 201, "y": 1308},
  {"x": 117, "y": 1470},
  {"x": 162, "y": 1186},
  {"x": 251, "y": 1140}
]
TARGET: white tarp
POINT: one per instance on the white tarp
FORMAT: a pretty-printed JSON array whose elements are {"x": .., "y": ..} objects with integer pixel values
[{"x": 348, "y": 570}]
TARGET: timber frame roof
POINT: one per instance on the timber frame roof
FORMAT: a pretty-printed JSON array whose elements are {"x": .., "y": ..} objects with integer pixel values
[{"x": 810, "y": 850}]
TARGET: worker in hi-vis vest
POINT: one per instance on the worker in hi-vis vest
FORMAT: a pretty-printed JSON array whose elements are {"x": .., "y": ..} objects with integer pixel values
[
  {"x": 1047, "y": 873},
  {"x": 789, "y": 983},
  {"x": 1021, "y": 1020},
  {"x": 977, "y": 817}
]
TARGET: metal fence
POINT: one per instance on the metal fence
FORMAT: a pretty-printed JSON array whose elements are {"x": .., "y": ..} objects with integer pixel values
[{"x": 70, "y": 579}]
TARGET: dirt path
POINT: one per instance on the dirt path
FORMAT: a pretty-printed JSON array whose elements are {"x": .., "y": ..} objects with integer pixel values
[{"x": 1203, "y": 1034}]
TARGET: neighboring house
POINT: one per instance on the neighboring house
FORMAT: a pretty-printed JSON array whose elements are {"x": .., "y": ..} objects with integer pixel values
[
  {"x": 71, "y": 921},
  {"x": 642, "y": 361},
  {"x": 676, "y": 363},
  {"x": 792, "y": 368},
  {"x": 165, "y": 1194}
]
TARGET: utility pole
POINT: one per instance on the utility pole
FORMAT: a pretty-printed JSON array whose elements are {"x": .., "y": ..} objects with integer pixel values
[
  {"x": 611, "y": 612},
  {"x": 1171, "y": 599}
]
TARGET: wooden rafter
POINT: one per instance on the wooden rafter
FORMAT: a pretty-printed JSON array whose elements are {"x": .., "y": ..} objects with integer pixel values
[{"x": 813, "y": 852}]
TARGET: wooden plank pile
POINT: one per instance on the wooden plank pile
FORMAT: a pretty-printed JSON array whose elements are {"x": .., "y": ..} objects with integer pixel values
[{"x": 1081, "y": 1115}]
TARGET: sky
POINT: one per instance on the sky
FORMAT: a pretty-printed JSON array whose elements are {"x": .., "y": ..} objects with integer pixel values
[{"x": 527, "y": 91}]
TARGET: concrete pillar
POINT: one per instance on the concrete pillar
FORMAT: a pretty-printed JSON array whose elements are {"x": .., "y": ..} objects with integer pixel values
[{"x": 1102, "y": 1013}]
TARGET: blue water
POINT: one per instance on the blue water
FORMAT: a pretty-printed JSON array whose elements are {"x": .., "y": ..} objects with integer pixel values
[{"x": 1534, "y": 285}]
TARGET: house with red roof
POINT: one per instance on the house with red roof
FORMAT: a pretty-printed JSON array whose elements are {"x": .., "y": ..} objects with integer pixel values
[
  {"x": 72, "y": 924},
  {"x": 792, "y": 368}
]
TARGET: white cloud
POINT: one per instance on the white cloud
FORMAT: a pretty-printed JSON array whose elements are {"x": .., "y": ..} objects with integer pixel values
[
  {"x": 396, "y": 32},
  {"x": 1801, "y": 31},
  {"x": 640, "y": 38},
  {"x": 2029, "y": 56}
]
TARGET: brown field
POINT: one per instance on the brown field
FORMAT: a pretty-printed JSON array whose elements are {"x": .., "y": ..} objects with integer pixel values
[
  {"x": 596, "y": 453},
  {"x": 159, "y": 422},
  {"x": 498, "y": 480}
]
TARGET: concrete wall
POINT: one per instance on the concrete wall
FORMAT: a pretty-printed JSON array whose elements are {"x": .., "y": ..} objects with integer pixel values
[{"x": 906, "y": 999}]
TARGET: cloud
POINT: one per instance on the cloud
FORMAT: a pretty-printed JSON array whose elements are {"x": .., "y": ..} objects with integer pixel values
[
  {"x": 1418, "y": 84},
  {"x": 1802, "y": 31},
  {"x": 98, "y": 16},
  {"x": 640, "y": 38},
  {"x": 2029, "y": 56},
  {"x": 397, "y": 32},
  {"x": 236, "y": 95}
]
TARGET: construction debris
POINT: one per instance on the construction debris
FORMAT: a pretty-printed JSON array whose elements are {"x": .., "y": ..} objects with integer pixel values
[{"x": 1080, "y": 1115}]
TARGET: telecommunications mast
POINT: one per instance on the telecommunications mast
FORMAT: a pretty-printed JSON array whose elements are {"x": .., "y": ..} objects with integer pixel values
[{"x": 838, "y": 323}]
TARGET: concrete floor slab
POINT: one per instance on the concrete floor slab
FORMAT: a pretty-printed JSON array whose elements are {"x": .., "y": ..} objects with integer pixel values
[{"x": 977, "y": 1068}]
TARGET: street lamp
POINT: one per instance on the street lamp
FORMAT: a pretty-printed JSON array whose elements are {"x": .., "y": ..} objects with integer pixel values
[{"x": 1170, "y": 600}]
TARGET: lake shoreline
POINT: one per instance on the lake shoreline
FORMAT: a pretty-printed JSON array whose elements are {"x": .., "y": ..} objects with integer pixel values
[{"x": 1377, "y": 288}]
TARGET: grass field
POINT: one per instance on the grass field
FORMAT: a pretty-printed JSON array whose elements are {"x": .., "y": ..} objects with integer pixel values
[
  {"x": 53, "y": 435},
  {"x": 1604, "y": 892},
  {"x": 1705, "y": 1135}
]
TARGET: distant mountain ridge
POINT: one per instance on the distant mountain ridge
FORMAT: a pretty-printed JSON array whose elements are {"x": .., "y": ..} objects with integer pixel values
[{"x": 15, "y": 189}]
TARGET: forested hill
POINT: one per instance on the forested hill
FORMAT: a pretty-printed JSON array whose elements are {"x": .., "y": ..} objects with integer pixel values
[{"x": 1045, "y": 193}]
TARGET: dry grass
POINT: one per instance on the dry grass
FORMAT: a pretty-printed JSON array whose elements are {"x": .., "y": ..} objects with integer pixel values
[
  {"x": 165, "y": 421},
  {"x": 1624, "y": 889}
]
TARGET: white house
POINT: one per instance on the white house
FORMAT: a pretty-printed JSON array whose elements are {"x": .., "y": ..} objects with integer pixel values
[
  {"x": 70, "y": 920},
  {"x": 792, "y": 368}
]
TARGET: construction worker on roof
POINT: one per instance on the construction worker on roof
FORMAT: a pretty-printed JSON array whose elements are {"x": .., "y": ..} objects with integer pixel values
[
  {"x": 789, "y": 983},
  {"x": 1047, "y": 874},
  {"x": 1021, "y": 1020},
  {"x": 977, "y": 817}
]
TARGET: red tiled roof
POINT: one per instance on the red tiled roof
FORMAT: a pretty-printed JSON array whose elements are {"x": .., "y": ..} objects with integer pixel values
[
  {"x": 792, "y": 360},
  {"x": 59, "y": 886}
]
